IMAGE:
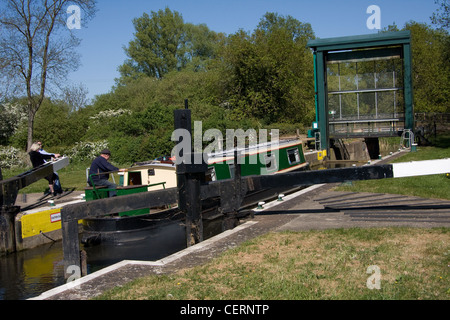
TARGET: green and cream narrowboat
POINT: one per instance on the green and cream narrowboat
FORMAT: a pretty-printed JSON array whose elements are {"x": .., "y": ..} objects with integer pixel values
[{"x": 262, "y": 159}]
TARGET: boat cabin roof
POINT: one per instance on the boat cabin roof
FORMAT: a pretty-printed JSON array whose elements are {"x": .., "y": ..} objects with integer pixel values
[
  {"x": 252, "y": 149},
  {"x": 226, "y": 154}
]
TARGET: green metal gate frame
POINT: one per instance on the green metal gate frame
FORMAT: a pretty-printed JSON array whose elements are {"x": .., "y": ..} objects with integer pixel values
[{"x": 359, "y": 47}]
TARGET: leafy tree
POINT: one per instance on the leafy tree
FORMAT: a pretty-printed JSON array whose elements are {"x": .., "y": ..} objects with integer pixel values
[
  {"x": 431, "y": 67},
  {"x": 12, "y": 115},
  {"x": 51, "y": 123},
  {"x": 34, "y": 48},
  {"x": 163, "y": 43},
  {"x": 271, "y": 71},
  {"x": 159, "y": 44},
  {"x": 442, "y": 15},
  {"x": 142, "y": 135}
]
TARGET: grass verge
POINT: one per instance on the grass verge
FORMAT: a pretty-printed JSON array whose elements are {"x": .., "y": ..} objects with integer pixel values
[
  {"x": 332, "y": 264},
  {"x": 433, "y": 186}
]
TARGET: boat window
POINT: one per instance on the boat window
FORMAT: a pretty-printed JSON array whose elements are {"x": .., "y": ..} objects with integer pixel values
[
  {"x": 293, "y": 155},
  {"x": 134, "y": 178},
  {"x": 151, "y": 172}
]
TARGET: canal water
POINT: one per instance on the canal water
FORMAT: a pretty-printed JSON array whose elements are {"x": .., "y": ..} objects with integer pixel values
[{"x": 31, "y": 272}]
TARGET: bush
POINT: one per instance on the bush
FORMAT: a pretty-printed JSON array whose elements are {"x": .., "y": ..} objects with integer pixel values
[
  {"x": 11, "y": 157},
  {"x": 288, "y": 128},
  {"x": 86, "y": 151},
  {"x": 127, "y": 149}
]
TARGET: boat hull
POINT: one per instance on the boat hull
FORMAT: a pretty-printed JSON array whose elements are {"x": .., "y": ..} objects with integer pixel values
[{"x": 119, "y": 229}]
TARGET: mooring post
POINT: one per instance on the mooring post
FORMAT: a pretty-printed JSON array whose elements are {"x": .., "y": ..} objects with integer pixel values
[
  {"x": 8, "y": 214},
  {"x": 190, "y": 174}
]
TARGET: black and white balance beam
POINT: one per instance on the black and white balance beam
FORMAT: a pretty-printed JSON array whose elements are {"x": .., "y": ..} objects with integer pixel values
[{"x": 371, "y": 172}]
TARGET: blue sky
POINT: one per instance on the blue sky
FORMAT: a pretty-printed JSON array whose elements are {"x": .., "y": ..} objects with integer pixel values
[{"x": 104, "y": 37}]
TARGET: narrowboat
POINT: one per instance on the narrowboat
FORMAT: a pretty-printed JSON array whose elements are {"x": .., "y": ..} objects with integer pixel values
[
  {"x": 261, "y": 159},
  {"x": 268, "y": 158}
]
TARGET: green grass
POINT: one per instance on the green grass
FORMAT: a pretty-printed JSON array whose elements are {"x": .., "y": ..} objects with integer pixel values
[
  {"x": 433, "y": 186},
  {"x": 312, "y": 265},
  {"x": 437, "y": 187}
]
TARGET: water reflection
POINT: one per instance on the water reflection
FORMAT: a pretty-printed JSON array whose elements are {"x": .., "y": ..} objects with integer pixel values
[{"x": 27, "y": 274}]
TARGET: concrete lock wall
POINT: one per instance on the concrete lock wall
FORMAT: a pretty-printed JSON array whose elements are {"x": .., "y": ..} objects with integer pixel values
[{"x": 356, "y": 149}]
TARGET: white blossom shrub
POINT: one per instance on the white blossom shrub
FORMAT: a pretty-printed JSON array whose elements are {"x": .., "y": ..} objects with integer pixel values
[
  {"x": 110, "y": 114},
  {"x": 11, "y": 157},
  {"x": 86, "y": 151},
  {"x": 11, "y": 115}
]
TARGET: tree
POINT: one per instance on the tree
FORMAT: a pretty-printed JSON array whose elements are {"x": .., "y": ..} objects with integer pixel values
[
  {"x": 12, "y": 114},
  {"x": 442, "y": 15},
  {"x": 37, "y": 47},
  {"x": 164, "y": 43},
  {"x": 52, "y": 125},
  {"x": 271, "y": 71},
  {"x": 431, "y": 67},
  {"x": 75, "y": 96}
]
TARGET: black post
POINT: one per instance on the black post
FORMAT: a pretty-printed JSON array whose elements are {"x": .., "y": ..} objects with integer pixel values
[
  {"x": 7, "y": 229},
  {"x": 71, "y": 245},
  {"x": 189, "y": 178},
  {"x": 194, "y": 219},
  {"x": 231, "y": 202},
  {"x": 182, "y": 121}
]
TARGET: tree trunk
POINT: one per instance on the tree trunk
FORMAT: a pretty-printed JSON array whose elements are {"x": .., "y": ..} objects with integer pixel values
[{"x": 31, "y": 114}]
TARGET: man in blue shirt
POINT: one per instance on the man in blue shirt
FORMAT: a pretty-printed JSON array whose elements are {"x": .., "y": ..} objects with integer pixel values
[{"x": 100, "y": 168}]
